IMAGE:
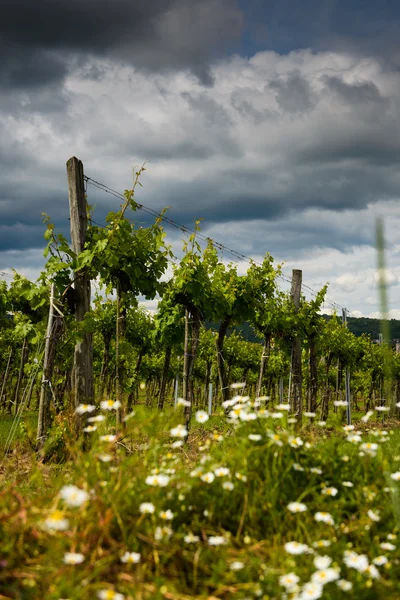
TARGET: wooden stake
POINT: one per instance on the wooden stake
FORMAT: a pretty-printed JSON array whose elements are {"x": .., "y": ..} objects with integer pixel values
[
  {"x": 83, "y": 356},
  {"x": 6, "y": 377},
  {"x": 297, "y": 379},
  {"x": 44, "y": 402},
  {"x": 347, "y": 376}
]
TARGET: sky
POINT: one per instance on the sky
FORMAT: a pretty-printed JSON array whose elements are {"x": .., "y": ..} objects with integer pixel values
[{"x": 276, "y": 122}]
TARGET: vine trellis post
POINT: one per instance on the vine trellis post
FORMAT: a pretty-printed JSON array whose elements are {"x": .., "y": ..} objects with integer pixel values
[
  {"x": 347, "y": 376},
  {"x": 297, "y": 398},
  {"x": 82, "y": 380}
]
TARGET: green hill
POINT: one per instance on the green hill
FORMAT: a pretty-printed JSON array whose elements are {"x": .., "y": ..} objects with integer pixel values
[{"x": 358, "y": 326}]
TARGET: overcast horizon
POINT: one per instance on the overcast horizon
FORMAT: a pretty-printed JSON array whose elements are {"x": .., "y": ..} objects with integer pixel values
[{"x": 277, "y": 123}]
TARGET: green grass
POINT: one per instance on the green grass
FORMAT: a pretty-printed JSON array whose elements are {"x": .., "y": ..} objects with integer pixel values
[{"x": 252, "y": 518}]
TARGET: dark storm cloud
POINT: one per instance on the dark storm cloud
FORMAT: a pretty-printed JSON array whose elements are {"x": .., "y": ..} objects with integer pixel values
[{"x": 38, "y": 40}]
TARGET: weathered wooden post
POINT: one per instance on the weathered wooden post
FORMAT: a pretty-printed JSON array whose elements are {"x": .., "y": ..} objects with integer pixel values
[
  {"x": 347, "y": 376},
  {"x": 297, "y": 379},
  {"x": 83, "y": 356},
  {"x": 45, "y": 396}
]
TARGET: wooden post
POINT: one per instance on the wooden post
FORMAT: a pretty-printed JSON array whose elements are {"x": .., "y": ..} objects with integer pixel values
[
  {"x": 24, "y": 357},
  {"x": 347, "y": 376},
  {"x": 297, "y": 379},
  {"x": 44, "y": 402},
  {"x": 210, "y": 393},
  {"x": 83, "y": 356},
  {"x": 3, "y": 386},
  {"x": 186, "y": 358}
]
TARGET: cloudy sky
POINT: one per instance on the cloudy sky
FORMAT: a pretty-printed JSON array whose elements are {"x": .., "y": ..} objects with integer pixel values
[{"x": 277, "y": 122}]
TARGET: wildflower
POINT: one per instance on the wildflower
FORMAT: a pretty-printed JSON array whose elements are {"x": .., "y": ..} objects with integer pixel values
[
  {"x": 322, "y": 562},
  {"x": 228, "y": 485},
  {"x": 177, "y": 444},
  {"x": 277, "y": 415},
  {"x": 295, "y": 442},
  {"x": 162, "y": 532},
  {"x": 201, "y": 416},
  {"x": 348, "y": 428},
  {"x": 157, "y": 480},
  {"x": 110, "y": 404},
  {"x": 241, "y": 477},
  {"x": 373, "y": 516},
  {"x": 131, "y": 558},
  {"x": 142, "y": 385},
  {"x": 285, "y": 407},
  {"x": 105, "y": 458},
  {"x": 324, "y": 517},
  {"x": 108, "y": 438},
  {"x": 216, "y": 540},
  {"x": 369, "y": 447},
  {"x": 276, "y": 438},
  {"x": 236, "y": 566},
  {"x": 382, "y": 408},
  {"x": 217, "y": 436},
  {"x": 89, "y": 428},
  {"x": 387, "y": 546},
  {"x": 85, "y": 408},
  {"x": 297, "y": 467},
  {"x": 289, "y": 581},
  {"x": 73, "y": 558},
  {"x": 147, "y": 508},
  {"x": 56, "y": 521},
  {"x": 340, "y": 403},
  {"x": 182, "y": 402},
  {"x": 221, "y": 471},
  {"x": 207, "y": 477},
  {"x": 395, "y": 476},
  {"x": 247, "y": 416},
  {"x": 311, "y": 591},
  {"x": 316, "y": 470},
  {"x": 263, "y": 413},
  {"x": 129, "y": 416},
  {"x": 292, "y": 420},
  {"x": 255, "y": 437},
  {"x": 228, "y": 403},
  {"x": 322, "y": 423},
  {"x": 296, "y": 507},
  {"x": 179, "y": 431},
  {"x": 391, "y": 536},
  {"x": 73, "y": 496},
  {"x": 354, "y": 438},
  {"x": 324, "y": 576},
  {"x": 109, "y": 595},
  {"x": 310, "y": 415},
  {"x": 367, "y": 416},
  {"x": 359, "y": 562},
  {"x": 96, "y": 419},
  {"x": 380, "y": 560},
  {"x": 345, "y": 458},
  {"x": 238, "y": 386},
  {"x": 191, "y": 539},
  {"x": 344, "y": 585},
  {"x": 347, "y": 484},
  {"x": 372, "y": 571},
  {"x": 329, "y": 491},
  {"x": 296, "y": 548},
  {"x": 322, "y": 543},
  {"x": 166, "y": 515}
]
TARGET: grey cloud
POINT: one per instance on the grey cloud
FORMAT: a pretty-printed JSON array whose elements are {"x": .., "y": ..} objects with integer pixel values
[
  {"x": 293, "y": 93},
  {"x": 363, "y": 92},
  {"x": 150, "y": 34}
]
